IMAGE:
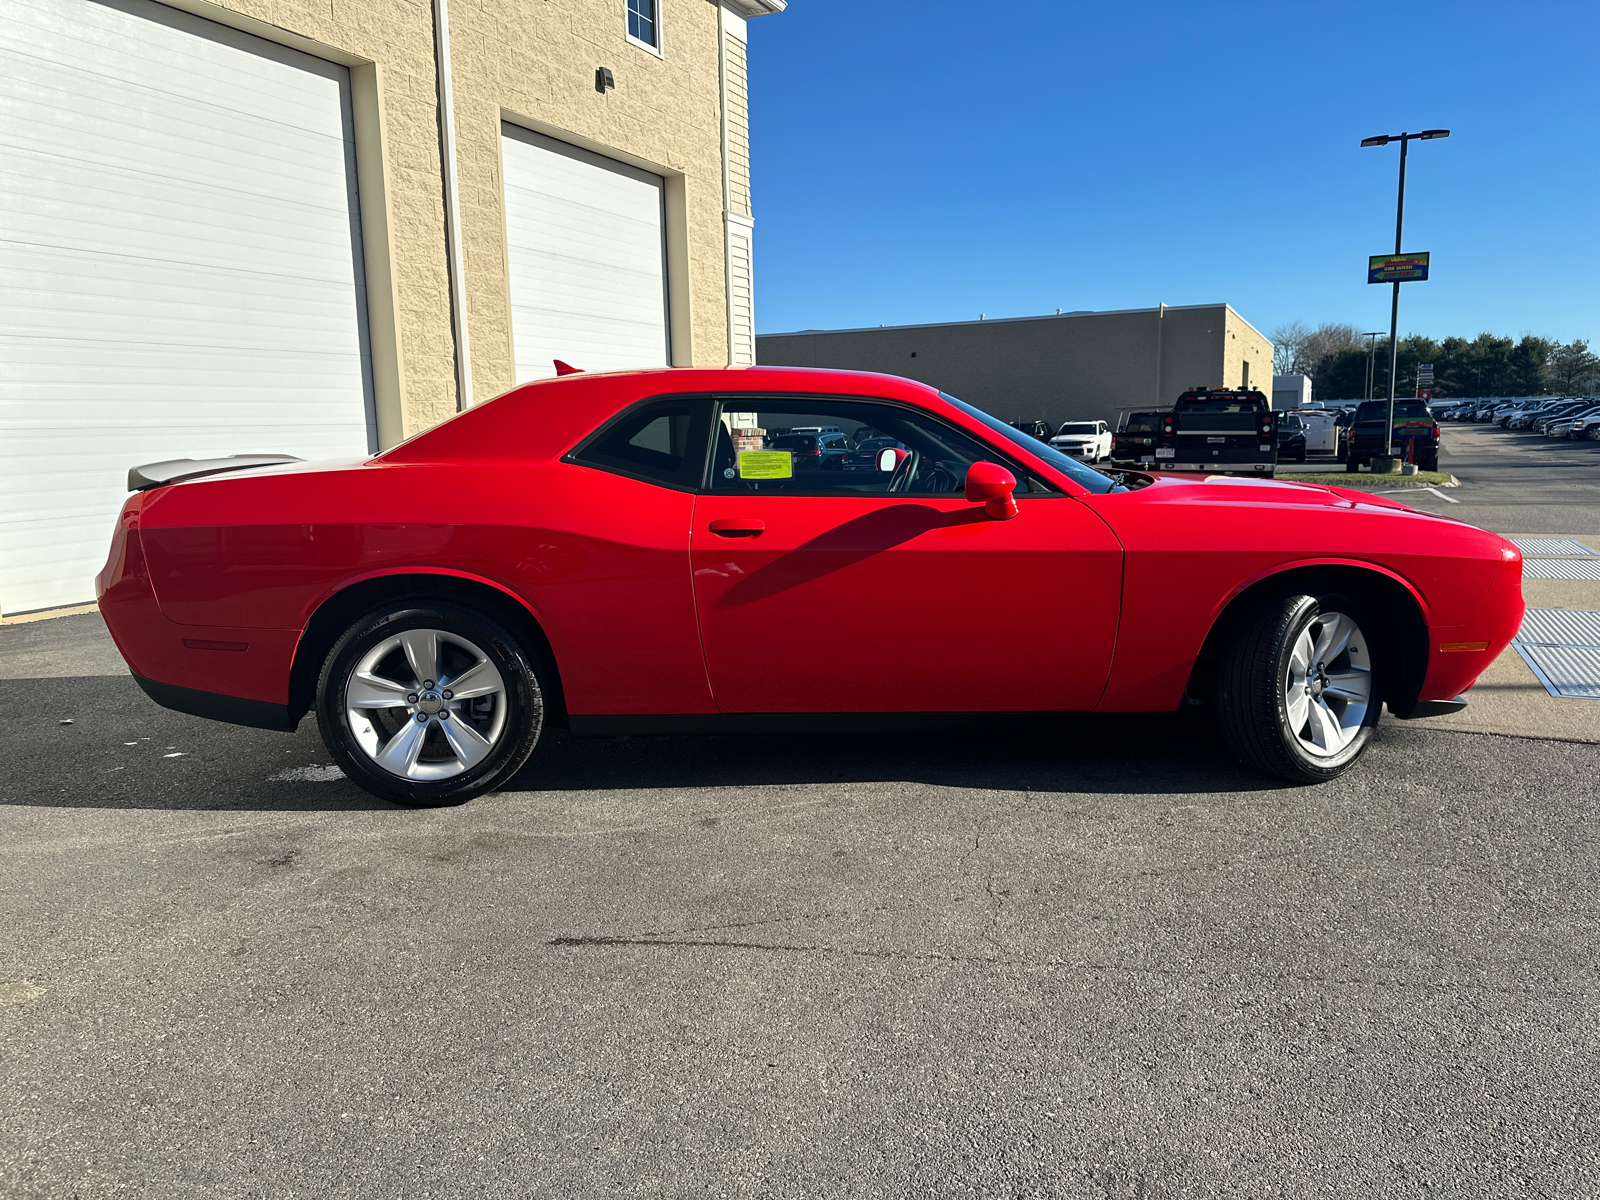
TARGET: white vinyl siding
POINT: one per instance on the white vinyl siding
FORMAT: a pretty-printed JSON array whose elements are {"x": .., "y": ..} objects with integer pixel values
[
  {"x": 741, "y": 298},
  {"x": 180, "y": 268},
  {"x": 737, "y": 103},
  {"x": 587, "y": 259}
]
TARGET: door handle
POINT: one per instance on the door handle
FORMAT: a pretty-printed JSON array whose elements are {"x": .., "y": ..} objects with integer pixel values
[{"x": 733, "y": 527}]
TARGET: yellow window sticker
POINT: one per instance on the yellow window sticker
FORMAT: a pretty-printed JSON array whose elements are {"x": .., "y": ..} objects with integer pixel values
[{"x": 766, "y": 464}]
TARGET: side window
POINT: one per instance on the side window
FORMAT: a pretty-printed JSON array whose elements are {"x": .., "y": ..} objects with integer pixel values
[
  {"x": 820, "y": 446},
  {"x": 662, "y": 441}
]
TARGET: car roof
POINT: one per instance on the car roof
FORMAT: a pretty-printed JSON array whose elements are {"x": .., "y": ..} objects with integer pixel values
[{"x": 545, "y": 418}]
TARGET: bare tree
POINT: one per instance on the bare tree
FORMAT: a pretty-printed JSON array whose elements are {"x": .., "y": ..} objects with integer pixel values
[
  {"x": 1298, "y": 350},
  {"x": 1287, "y": 341}
]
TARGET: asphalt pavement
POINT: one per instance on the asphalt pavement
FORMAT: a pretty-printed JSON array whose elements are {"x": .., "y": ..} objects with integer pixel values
[
  {"x": 1511, "y": 482},
  {"x": 1090, "y": 959}
]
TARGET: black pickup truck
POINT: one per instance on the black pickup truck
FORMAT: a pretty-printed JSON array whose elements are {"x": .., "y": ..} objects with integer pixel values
[
  {"x": 1416, "y": 434},
  {"x": 1221, "y": 431}
]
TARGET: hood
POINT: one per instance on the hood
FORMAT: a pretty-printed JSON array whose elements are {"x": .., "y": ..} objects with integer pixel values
[{"x": 1237, "y": 489}]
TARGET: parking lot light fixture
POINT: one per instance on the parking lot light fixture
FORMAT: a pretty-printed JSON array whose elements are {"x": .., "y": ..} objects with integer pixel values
[{"x": 1404, "y": 139}]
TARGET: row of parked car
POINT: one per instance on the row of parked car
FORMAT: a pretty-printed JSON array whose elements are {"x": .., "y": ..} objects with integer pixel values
[{"x": 1554, "y": 416}]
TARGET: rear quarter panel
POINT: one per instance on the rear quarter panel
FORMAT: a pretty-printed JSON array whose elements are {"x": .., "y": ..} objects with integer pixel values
[{"x": 601, "y": 561}]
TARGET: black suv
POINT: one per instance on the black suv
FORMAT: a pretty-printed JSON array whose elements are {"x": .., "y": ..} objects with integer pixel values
[
  {"x": 1414, "y": 430},
  {"x": 1291, "y": 438},
  {"x": 814, "y": 451}
]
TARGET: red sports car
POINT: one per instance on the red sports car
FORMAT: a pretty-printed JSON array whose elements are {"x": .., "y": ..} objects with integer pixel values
[{"x": 685, "y": 550}]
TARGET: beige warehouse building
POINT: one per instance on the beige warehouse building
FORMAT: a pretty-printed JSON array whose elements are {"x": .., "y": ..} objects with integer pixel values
[
  {"x": 1064, "y": 367},
  {"x": 316, "y": 229}
]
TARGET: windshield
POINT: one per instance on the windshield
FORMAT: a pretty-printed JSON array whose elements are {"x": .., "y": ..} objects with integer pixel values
[
  {"x": 1074, "y": 430},
  {"x": 1074, "y": 470},
  {"x": 1290, "y": 422},
  {"x": 1375, "y": 410},
  {"x": 1219, "y": 404}
]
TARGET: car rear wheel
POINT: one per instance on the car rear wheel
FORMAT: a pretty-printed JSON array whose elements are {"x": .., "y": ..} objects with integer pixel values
[
  {"x": 430, "y": 704},
  {"x": 1297, "y": 690}
]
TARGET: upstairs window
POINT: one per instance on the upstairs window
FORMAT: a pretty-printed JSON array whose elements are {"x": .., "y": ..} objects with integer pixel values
[{"x": 644, "y": 24}]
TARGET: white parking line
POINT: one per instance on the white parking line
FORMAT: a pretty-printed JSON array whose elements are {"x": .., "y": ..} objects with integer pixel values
[{"x": 1414, "y": 490}]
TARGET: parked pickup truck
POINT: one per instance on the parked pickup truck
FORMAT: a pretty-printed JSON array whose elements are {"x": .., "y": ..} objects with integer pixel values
[
  {"x": 1416, "y": 434},
  {"x": 1218, "y": 430}
]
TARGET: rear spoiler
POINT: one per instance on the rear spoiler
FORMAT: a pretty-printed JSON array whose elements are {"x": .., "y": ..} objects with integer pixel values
[{"x": 174, "y": 470}]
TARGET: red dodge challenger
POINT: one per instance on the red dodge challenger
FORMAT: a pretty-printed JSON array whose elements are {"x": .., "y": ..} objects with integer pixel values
[{"x": 689, "y": 550}]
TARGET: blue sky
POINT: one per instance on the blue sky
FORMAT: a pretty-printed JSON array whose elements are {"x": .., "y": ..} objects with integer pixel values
[{"x": 931, "y": 161}]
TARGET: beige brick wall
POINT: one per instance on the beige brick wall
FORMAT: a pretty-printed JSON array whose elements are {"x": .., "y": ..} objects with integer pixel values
[
  {"x": 1071, "y": 367},
  {"x": 531, "y": 62},
  {"x": 1246, "y": 344}
]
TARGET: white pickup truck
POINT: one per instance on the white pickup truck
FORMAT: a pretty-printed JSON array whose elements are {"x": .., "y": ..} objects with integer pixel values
[{"x": 1086, "y": 440}]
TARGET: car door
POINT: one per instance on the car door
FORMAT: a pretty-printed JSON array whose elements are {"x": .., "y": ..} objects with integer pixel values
[{"x": 864, "y": 590}]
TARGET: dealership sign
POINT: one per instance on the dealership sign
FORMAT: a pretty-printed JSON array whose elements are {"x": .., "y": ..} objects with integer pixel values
[{"x": 1397, "y": 268}]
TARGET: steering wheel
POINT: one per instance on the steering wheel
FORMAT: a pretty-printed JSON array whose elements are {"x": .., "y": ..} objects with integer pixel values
[
  {"x": 941, "y": 479},
  {"x": 900, "y": 481}
]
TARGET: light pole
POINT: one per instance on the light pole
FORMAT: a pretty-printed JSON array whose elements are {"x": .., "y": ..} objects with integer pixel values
[
  {"x": 1427, "y": 135},
  {"x": 1371, "y": 346}
]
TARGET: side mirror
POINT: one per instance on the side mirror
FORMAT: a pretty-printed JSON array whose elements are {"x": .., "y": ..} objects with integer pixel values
[{"x": 991, "y": 485}]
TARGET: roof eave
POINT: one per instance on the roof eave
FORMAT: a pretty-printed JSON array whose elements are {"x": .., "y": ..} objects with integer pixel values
[{"x": 756, "y": 8}]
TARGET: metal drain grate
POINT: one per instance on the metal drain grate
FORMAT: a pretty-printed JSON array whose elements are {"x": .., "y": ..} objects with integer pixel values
[
  {"x": 1570, "y": 672},
  {"x": 1562, "y": 647},
  {"x": 1550, "y": 546},
  {"x": 1560, "y": 627},
  {"x": 1561, "y": 568}
]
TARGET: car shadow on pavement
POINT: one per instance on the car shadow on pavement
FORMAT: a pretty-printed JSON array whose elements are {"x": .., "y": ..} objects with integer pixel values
[
  {"x": 98, "y": 742},
  {"x": 1137, "y": 755}
]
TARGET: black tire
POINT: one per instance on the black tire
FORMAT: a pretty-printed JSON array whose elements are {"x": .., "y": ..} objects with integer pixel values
[
  {"x": 519, "y": 727},
  {"x": 1251, "y": 706},
  {"x": 1352, "y": 465},
  {"x": 1428, "y": 462}
]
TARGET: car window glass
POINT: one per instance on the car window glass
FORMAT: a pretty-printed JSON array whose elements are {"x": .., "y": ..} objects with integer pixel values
[
  {"x": 808, "y": 445},
  {"x": 1220, "y": 404},
  {"x": 663, "y": 441},
  {"x": 1086, "y": 477}
]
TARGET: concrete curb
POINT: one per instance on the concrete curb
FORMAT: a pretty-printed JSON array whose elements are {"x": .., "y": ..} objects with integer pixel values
[
  {"x": 50, "y": 614},
  {"x": 1365, "y": 483}
]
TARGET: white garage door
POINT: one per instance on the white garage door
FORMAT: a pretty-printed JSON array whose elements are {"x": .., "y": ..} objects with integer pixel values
[
  {"x": 587, "y": 257},
  {"x": 180, "y": 268}
]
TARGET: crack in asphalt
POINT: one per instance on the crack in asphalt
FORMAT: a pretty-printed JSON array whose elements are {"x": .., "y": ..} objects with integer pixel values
[{"x": 809, "y": 916}]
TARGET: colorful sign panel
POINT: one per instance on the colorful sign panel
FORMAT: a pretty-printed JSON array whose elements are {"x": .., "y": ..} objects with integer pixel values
[{"x": 1397, "y": 268}]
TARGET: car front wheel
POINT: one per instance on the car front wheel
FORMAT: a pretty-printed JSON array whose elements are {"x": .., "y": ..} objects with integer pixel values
[
  {"x": 1297, "y": 690},
  {"x": 429, "y": 704}
]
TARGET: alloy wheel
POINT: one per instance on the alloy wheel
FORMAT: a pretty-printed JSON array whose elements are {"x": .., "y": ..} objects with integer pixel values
[
  {"x": 1327, "y": 684},
  {"x": 425, "y": 704}
]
